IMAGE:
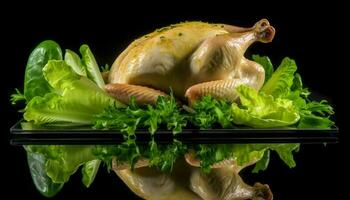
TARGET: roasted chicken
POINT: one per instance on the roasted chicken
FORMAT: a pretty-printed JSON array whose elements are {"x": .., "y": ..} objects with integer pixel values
[{"x": 193, "y": 59}]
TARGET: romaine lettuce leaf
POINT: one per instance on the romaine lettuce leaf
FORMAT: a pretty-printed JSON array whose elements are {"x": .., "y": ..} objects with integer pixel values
[
  {"x": 89, "y": 171},
  {"x": 313, "y": 114},
  {"x": 42, "y": 182},
  {"x": 263, "y": 111},
  {"x": 248, "y": 153},
  {"x": 263, "y": 163},
  {"x": 63, "y": 160},
  {"x": 76, "y": 99},
  {"x": 73, "y": 60},
  {"x": 284, "y": 151},
  {"x": 265, "y": 62},
  {"x": 281, "y": 80},
  {"x": 89, "y": 61},
  {"x": 34, "y": 81},
  {"x": 313, "y": 121},
  {"x": 287, "y": 84},
  {"x": 244, "y": 154}
]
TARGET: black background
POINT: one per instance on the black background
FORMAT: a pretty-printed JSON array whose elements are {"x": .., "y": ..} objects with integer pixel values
[{"x": 314, "y": 35}]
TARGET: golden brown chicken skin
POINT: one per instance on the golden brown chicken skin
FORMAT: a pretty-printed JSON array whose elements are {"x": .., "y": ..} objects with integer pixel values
[{"x": 192, "y": 59}]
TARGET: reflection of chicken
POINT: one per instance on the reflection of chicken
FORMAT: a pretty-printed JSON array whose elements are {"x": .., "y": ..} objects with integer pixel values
[
  {"x": 187, "y": 182},
  {"x": 192, "y": 58}
]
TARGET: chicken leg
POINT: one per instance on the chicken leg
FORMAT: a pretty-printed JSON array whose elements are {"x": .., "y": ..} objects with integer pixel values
[
  {"x": 224, "y": 54},
  {"x": 142, "y": 94}
]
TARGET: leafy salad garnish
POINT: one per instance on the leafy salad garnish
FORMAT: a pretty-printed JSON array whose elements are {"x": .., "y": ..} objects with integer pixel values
[{"x": 70, "y": 92}]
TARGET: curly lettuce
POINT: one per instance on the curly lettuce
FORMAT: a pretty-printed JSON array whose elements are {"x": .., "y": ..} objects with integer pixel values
[
  {"x": 286, "y": 84},
  {"x": 263, "y": 111}
]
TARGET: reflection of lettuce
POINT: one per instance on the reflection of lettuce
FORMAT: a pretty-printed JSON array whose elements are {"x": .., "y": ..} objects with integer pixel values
[
  {"x": 37, "y": 167},
  {"x": 63, "y": 160},
  {"x": 263, "y": 111},
  {"x": 75, "y": 98},
  {"x": 89, "y": 171},
  {"x": 244, "y": 154}
]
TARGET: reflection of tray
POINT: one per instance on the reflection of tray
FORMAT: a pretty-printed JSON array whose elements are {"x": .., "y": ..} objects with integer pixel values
[{"x": 87, "y": 135}]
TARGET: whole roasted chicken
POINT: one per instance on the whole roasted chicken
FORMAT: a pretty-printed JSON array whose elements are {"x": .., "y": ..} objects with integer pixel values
[{"x": 192, "y": 59}]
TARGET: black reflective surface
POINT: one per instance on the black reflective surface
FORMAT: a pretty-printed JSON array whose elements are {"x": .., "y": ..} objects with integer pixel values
[{"x": 88, "y": 135}]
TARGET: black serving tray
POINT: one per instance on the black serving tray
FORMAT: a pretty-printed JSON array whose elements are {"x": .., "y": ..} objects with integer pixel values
[{"x": 87, "y": 135}]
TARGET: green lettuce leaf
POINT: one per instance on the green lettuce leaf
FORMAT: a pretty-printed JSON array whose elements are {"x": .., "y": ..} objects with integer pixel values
[
  {"x": 16, "y": 97},
  {"x": 284, "y": 151},
  {"x": 73, "y": 60},
  {"x": 263, "y": 111},
  {"x": 263, "y": 163},
  {"x": 265, "y": 62},
  {"x": 89, "y": 61},
  {"x": 313, "y": 121},
  {"x": 249, "y": 153},
  {"x": 42, "y": 182},
  {"x": 34, "y": 81},
  {"x": 89, "y": 171},
  {"x": 63, "y": 160},
  {"x": 287, "y": 84},
  {"x": 315, "y": 114},
  {"x": 281, "y": 80},
  {"x": 244, "y": 154},
  {"x": 76, "y": 99}
]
